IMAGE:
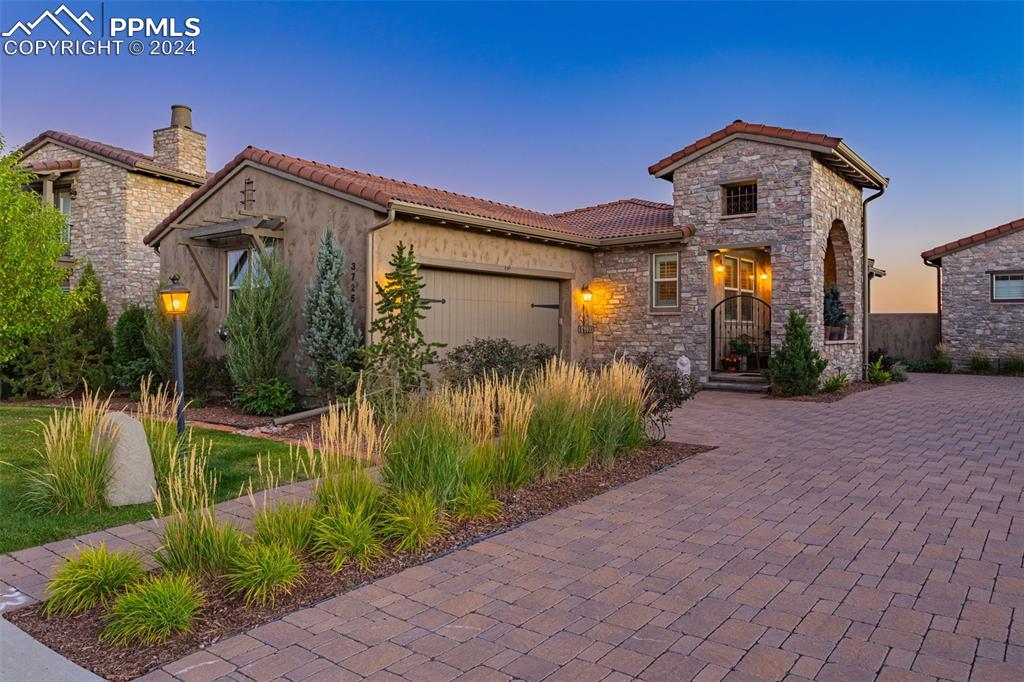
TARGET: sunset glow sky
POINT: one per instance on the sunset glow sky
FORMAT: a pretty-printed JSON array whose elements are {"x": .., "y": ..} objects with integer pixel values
[{"x": 553, "y": 107}]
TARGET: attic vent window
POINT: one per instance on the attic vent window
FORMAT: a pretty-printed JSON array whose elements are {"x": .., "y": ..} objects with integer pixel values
[{"x": 740, "y": 199}]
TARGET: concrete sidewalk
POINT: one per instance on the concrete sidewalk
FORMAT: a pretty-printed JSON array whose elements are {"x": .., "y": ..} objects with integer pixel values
[{"x": 23, "y": 659}]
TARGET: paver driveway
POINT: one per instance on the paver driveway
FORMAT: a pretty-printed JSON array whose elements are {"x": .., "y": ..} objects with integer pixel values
[{"x": 877, "y": 536}]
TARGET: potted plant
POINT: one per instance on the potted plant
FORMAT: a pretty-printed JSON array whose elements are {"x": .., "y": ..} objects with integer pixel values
[
  {"x": 731, "y": 362},
  {"x": 740, "y": 347},
  {"x": 836, "y": 317}
]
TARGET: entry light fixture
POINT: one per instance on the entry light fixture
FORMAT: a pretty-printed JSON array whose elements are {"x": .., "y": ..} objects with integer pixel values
[
  {"x": 587, "y": 294},
  {"x": 764, "y": 275}
]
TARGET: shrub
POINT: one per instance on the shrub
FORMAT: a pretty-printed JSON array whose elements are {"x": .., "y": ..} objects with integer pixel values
[
  {"x": 482, "y": 358},
  {"x": 286, "y": 524},
  {"x": 877, "y": 374},
  {"x": 74, "y": 352},
  {"x": 259, "y": 328},
  {"x": 266, "y": 398},
  {"x": 426, "y": 453},
  {"x": 261, "y": 572},
  {"x": 331, "y": 338},
  {"x": 73, "y": 472},
  {"x": 620, "y": 404},
  {"x": 835, "y": 382},
  {"x": 347, "y": 534},
  {"x": 153, "y": 610},
  {"x": 980, "y": 363},
  {"x": 668, "y": 390},
  {"x": 91, "y": 578},
  {"x": 561, "y": 426},
  {"x": 396, "y": 359},
  {"x": 474, "y": 501},
  {"x": 132, "y": 362},
  {"x": 943, "y": 363},
  {"x": 898, "y": 371},
  {"x": 412, "y": 520},
  {"x": 208, "y": 379},
  {"x": 1013, "y": 365},
  {"x": 795, "y": 367}
]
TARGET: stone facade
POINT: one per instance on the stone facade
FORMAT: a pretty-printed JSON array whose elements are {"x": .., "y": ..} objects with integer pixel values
[
  {"x": 799, "y": 202},
  {"x": 971, "y": 321},
  {"x": 112, "y": 208}
]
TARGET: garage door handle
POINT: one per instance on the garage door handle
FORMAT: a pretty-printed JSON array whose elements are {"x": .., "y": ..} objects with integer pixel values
[
  {"x": 442, "y": 301},
  {"x": 553, "y": 306}
]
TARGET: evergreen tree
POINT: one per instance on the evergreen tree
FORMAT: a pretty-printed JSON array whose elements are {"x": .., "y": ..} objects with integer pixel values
[
  {"x": 795, "y": 367},
  {"x": 397, "y": 359},
  {"x": 89, "y": 318},
  {"x": 330, "y": 340},
  {"x": 835, "y": 313}
]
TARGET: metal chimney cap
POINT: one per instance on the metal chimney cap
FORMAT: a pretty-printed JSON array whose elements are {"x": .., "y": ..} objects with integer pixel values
[{"x": 181, "y": 116}]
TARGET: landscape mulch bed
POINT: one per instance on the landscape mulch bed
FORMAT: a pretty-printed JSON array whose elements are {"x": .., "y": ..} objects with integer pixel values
[
  {"x": 823, "y": 397},
  {"x": 77, "y": 637}
]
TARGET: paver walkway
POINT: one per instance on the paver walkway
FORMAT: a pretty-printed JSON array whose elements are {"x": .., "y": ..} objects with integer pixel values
[{"x": 879, "y": 537}]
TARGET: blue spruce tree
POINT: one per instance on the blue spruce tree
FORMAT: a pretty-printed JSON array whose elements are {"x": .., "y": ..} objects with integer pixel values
[{"x": 330, "y": 339}]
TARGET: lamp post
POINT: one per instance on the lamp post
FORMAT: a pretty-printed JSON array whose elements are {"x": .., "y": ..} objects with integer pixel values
[{"x": 175, "y": 301}]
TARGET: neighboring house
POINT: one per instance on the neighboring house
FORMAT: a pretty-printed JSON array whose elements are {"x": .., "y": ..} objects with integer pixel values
[
  {"x": 763, "y": 219},
  {"x": 113, "y": 196},
  {"x": 981, "y": 292}
]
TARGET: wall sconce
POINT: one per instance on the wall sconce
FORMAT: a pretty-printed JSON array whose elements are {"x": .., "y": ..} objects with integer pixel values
[
  {"x": 719, "y": 264},
  {"x": 764, "y": 276},
  {"x": 585, "y": 324}
]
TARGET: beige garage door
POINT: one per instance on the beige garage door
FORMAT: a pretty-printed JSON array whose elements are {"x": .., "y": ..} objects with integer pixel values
[{"x": 478, "y": 305}]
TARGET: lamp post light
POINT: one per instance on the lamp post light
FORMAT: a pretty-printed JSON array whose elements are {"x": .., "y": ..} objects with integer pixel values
[{"x": 175, "y": 301}]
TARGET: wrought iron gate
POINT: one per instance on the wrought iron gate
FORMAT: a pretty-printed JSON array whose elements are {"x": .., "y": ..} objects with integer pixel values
[{"x": 741, "y": 325}]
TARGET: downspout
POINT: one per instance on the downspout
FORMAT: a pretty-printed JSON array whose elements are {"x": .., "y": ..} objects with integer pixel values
[
  {"x": 938, "y": 290},
  {"x": 390, "y": 218},
  {"x": 867, "y": 280}
]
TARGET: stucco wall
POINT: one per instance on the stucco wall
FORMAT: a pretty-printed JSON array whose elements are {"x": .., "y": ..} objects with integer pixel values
[
  {"x": 463, "y": 248},
  {"x": 971, "y": 322},
  {"x": 309, "y": 212},
  {"x": 907, "y": 335}
]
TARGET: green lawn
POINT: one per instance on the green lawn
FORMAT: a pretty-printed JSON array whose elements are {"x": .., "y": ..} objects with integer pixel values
[{"x": 233, "y": 458}]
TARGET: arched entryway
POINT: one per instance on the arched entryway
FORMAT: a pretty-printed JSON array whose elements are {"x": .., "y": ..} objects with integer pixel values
[{"x": 838, "y": 271}]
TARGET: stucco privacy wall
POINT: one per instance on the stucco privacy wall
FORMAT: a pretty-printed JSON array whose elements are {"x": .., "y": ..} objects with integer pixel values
[
  {"x": 309, "y": 212},
  {"x": 971, "y": 322},
  {"x": 466, "y": 249},
  {"x": 835, "y": 199},
  {"x": 98, "y": 215},
  {"x": 783, "y": 223},
  {"x": 906, "y": 335}
]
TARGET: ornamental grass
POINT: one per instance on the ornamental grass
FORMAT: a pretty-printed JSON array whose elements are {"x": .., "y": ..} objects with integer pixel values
[
  {"x": 157, "y": 411},
  {"x": 74, "y": 470}
]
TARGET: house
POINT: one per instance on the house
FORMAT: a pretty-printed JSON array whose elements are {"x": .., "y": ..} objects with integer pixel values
[
  {"x": 763, "y": 219},
  {"x": 981, "y": 292},
  {"x": 113, "y": 196}
]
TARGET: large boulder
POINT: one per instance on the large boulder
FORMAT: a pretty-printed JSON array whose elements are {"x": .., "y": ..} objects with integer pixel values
[{"x": 131, "y": 465}]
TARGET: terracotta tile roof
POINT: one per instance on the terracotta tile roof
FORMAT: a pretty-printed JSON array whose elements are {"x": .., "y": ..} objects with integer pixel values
[
  {"x": 984, "y": 236},
  {"x": 738, "y": 127},
  {"x": 622, "y": 218},
  {"x": 50, "y": 166},
  {"x": 641, "y": 218},
  {"x": 102, "y": 149}
]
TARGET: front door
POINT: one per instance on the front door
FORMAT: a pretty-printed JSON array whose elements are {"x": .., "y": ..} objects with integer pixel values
[{"x": 741, "y": 329}]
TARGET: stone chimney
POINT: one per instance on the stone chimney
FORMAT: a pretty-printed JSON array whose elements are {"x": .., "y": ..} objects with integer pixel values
[{"x": 178, "y": 146}]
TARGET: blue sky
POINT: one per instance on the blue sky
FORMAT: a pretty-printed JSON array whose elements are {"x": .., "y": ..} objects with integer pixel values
[{"x": 557, "y": 106}]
